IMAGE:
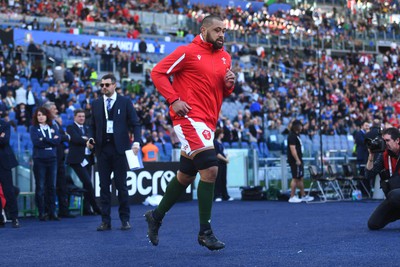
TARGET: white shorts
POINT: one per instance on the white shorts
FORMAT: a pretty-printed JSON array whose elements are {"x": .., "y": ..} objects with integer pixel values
[{"x": 194, "y": 135}]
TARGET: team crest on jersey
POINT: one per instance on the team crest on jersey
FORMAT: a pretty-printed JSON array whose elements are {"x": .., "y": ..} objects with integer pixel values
[
  {"x": 199, "y": 57},
  {"x": 223, "y": 60},
  {"x": 206, "y": 134}
]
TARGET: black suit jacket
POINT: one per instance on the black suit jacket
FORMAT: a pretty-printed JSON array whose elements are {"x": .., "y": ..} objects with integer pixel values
[
  {"x": 125, "y": 120},
  {"x": 7, "y": 157},
  {"x": 77, "y": 145}
]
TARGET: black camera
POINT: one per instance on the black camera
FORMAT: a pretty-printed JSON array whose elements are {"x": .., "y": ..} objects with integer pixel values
[
  {"x": 91, "y": 141},
  {"x": 376, "y": 145}
]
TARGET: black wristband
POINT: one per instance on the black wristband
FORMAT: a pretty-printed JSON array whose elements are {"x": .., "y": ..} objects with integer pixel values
[{"x": 174, "y": 101}]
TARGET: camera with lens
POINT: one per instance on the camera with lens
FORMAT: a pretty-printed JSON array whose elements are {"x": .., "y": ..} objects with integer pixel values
[{"x": 376, "y": 145}]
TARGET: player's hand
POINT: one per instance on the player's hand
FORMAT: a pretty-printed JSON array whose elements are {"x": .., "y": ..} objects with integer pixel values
[
  {"x": 229, "y": 78},
  {"x": 181, "y": 108}
]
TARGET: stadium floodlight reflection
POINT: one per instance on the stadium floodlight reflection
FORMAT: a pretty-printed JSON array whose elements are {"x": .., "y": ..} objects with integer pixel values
[{"x": 317, "y": 22}]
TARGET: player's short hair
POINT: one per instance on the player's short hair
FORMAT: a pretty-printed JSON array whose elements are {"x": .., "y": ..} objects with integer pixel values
[{"x": 208, "y": 20}]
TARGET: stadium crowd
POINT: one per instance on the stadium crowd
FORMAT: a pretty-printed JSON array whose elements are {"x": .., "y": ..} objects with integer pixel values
[
  {"x": 356, "y": 87},
  {"x": 370, "y": 17}
]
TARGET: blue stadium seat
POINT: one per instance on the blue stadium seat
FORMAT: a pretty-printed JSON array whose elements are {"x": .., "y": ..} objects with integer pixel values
[
  {"x": 244, "y": 145},
  {"x": 226, "y": 144},
  {"x": 26, "y": 142},
  {"x": 168, "y": 150},
  {"x": 34, "y": 81},
  {"x": 23, "y": 81},
  {"x": 11, "y": 116},
  {"x": 234, "y": 145},
  {"x": 254, "y": 145},
  {"x": 64, "y": 117},
  {"x": 164, "y": 151},
  {"x": 81, "y": 97},
  {"x": 70, "y": 114},
  {"x": 21, "y": 129},
  {"x": 263, "y": 149},
  {"x": 45, "y": 86},
  {"x": 14, "y": 141},
  {"x": 77, "y": 105}
]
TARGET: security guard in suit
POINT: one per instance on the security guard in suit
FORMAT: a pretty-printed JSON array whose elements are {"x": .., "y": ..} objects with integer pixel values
[{"x": 113, "y": 118}]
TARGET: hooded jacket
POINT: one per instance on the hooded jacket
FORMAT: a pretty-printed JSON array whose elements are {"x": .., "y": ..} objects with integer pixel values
[{"x": 198, "y": 79}]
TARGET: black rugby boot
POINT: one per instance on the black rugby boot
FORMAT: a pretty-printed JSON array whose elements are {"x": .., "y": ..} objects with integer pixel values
[
  {"x": 208, "y": 240},
  {"x": 153, "y": 227}
]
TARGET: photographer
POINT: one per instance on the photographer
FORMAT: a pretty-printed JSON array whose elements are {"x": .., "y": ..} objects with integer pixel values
[{"x": 386, "y": 165}]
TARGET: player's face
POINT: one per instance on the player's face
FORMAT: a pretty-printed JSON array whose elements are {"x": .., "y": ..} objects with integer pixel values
[{"x": 215, "y": 34}]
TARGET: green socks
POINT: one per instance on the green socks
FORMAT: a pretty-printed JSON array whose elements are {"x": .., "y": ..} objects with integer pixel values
[
  {"x": 172, "y": 194},
  {"x": 205, "y": 196}
]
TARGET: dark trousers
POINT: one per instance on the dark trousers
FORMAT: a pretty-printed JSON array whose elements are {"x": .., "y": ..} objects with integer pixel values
[
  {"x": 220, "y": 189},
  {"x": 62, "y": 191},
  {"x": 45, "y": 172},
  {"x": 9, "y": 193},
  {"x": 83, "y": 174},
  {"x": 110, "y": 161},
  {"x": 388, "y": 211}
]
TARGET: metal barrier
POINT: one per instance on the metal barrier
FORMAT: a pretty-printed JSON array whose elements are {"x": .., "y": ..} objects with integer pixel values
[{"x": 275, "y": 171}]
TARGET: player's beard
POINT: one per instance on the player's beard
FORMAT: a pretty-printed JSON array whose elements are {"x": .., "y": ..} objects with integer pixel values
[{"x": 215, "y": 44}]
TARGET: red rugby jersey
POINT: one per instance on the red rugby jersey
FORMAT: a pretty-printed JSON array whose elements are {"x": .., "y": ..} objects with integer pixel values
[{"x": 198, "y": 78}]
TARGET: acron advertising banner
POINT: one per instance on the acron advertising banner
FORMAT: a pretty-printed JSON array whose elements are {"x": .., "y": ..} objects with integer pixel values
[{"x": 151, "y": 180}]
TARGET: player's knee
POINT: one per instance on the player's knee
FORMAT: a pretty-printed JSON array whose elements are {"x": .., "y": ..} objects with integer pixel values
[
  {"x": 209, "y": 175},
  {"x": 205, "y": 160},
  {"x": 185, "y": 179}
]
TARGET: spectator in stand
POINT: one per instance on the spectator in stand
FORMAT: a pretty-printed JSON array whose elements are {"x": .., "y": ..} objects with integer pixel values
[
  {"x": 10, "y": 100},
  {"x": 21, "y": 115},
  {"x": 149, "y": 150},
  {"x": 142, "y": 46},
  {"x": 189, "y": 37},
  {"x": 133, "y": 33}
]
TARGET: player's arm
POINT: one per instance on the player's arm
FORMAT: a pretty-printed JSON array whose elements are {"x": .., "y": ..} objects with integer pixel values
[{"x": 161, "y": 73}]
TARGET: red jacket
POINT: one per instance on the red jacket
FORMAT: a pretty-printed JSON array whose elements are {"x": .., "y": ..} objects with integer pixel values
[
  {"x": 386, "y": 161},
  {"x": 198, "y": 78},
  {"x": 2, "y": 198}
]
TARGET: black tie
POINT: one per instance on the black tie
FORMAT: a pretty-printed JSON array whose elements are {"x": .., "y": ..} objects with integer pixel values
[{"x": 46, "y": 133}]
